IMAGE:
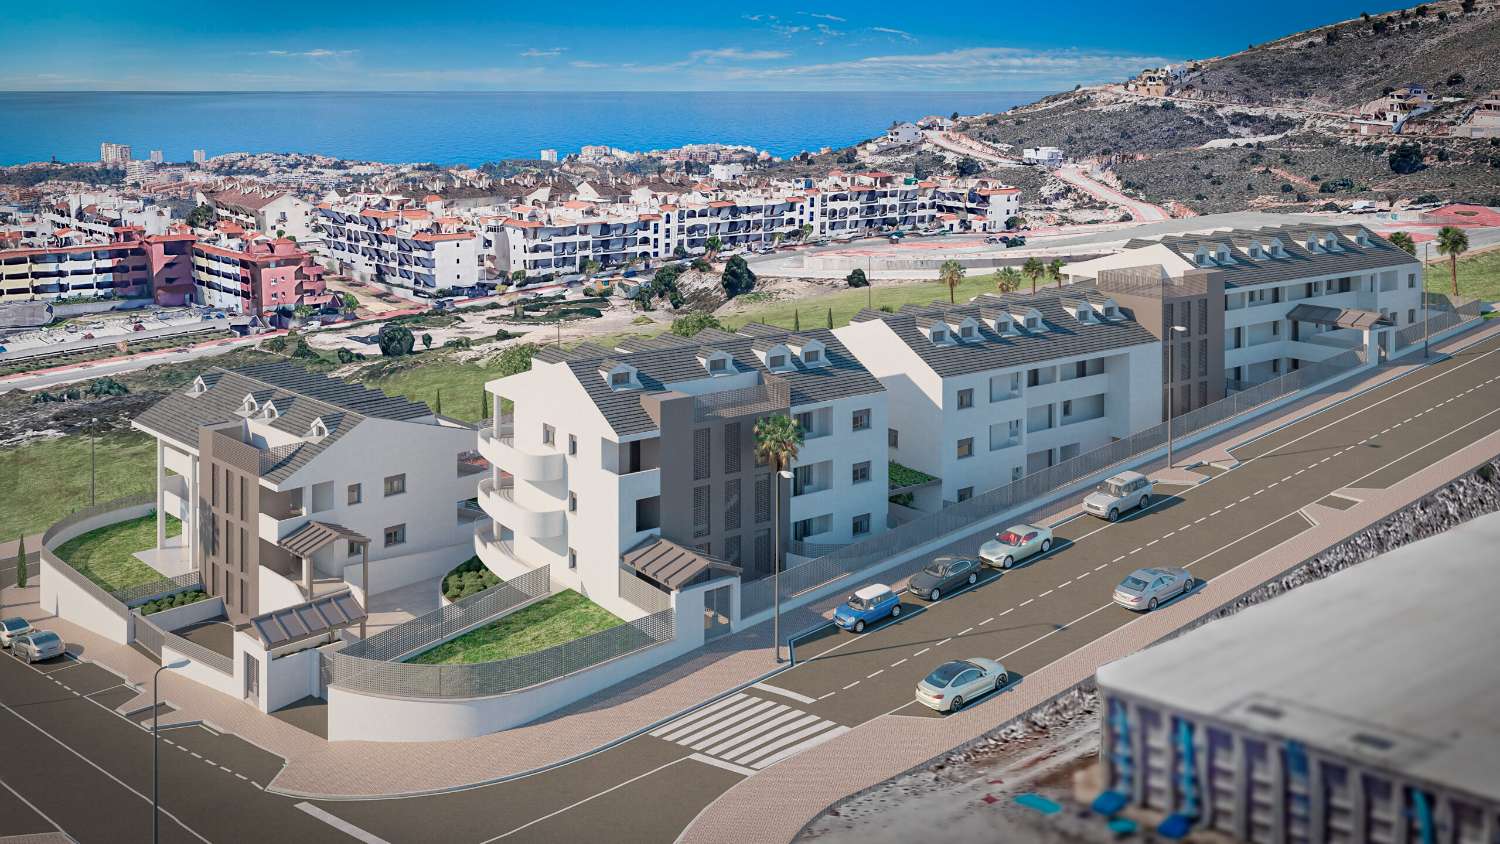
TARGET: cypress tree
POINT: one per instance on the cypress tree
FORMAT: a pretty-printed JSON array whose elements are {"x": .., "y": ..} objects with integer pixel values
[
  {"x": 21, "y": 573},
  {"x": 796, "y": 320},
  {"x": 830, "y": 319}
]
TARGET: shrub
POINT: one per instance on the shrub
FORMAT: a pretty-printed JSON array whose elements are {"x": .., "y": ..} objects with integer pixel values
[
  {"x": 468, "y": 578},
  {"x": 738, "y": 277},
  {"x": 690, "y": 324},
  {"x": 274, "y": 344},
  {"x": 396, "y": 340},
  {"x": 856, "y": 278}
]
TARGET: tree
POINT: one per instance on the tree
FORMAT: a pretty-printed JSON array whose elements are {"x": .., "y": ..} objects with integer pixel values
[
  {"x": 349, "y": 301},
  {"x": 830, "y": 319},
  {"x": 484, "y": 404},
  {"x": 590, "y": 266},
  {"x": 805, "y": 231},
  {"x": 1033, "y": 269},
  {"x": 1054, "y": 270},
  {"x": 951, "y": 273},
  {"x": 955, "y": 117},
  {"x": 1453, "y": 242},
  {"x": 1403, "y": 241},
  {"x": 21, "y": 574},
  {"x": 702, "y": 265},
  {"x": 690, "y": 324},
  {"x": 1405, "y": 158},
  {"x": 796, "y": 320},
  {"x": 737, "y": 278},
  {"x": 426, "y": 341},
  {"x": 713, "y": 244},
  {"x": 856, "y": 278},
  {"x": 201, "y": 217},
  {"x": 395, "y": 340},
  {"x": 518, "y": 276},
  {"x": 1008, "y": 280},
  {"x": 679, "y": 251},
  {"x": 437, "y": 406},
  {"x": 1015, "y": 222},
  {"x": 516, "y": 359},
  {"x": 777, "y": 440},
  {"x": 969, "y": 167}
]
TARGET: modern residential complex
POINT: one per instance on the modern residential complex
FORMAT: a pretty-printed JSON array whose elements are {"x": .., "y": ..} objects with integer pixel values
[
  {"x": 598, "y": 453},
  {"x": 1354, "y": 709},
  {"x": 69, "y": 263},
  {"x": 248, "y": 275},
  {"x": 114, "y": 155},
  {"x": 272, "y": 212},
  {"x": 410, "y": 251}
]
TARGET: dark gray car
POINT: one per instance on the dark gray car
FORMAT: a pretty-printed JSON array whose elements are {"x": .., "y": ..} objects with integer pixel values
[{"x": 943, "y": 575}]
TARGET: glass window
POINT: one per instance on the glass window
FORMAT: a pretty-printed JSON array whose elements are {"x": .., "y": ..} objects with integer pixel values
[
  {"x": 776, "y": 361},
  {"x": 861, "y": 420},
  {"x": 965, "y": 448},
  {"x": 572, "y": 444},
  {"x": 619, "y": 379},
  {"x": 861, "y": 472},
  {"x": 861, "y": 524},
  {"x": 356, "y": 494},
  {"x": 965, "y": 398},
  {"x": 812, "y": 356},
  {"x": 395, "y": 535},
  {"x": 395, "y": 485},
  {"x": 549, "y": 435},
  {"x": 965, "y": 493},
  {"x": 572, "y": 502},
  {"x": 892, "y": 437}
]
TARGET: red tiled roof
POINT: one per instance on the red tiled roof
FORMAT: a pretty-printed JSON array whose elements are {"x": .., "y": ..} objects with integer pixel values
[{"x": 430, "y": 237}]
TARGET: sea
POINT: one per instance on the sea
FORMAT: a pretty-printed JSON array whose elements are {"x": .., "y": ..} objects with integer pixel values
[{"x": 455, "y": 127}]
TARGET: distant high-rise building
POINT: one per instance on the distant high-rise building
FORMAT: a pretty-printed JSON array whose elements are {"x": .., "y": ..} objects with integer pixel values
[
  {"x": 139, "y": 171},
  {"x": 549, "y": 155},
  {"x": 156, "y": 157},
  {"x": 199, "y": 156},
  {"x": 114, "y": 155}
]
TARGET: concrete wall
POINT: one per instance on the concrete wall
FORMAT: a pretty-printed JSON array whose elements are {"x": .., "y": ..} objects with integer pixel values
[
  {"x": 228, "y": 684},
  {"x": 179, "y": 617},
  {"x": 65, "y": 599},
  {"x": 277, "y": 592},
  {"x": 396, "y": 572}
]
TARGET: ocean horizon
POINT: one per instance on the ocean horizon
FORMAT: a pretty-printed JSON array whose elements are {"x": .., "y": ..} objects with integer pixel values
[{"x": 447, "y": 127}]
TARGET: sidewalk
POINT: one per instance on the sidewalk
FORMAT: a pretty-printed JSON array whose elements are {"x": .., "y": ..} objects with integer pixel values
[{"x": 320, "y": 769}]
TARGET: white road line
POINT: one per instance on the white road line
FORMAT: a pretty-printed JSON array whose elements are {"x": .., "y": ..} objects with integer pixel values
[
  {"x": 1105, "y": 565},
  {"x": 1027, "y": 601},
  {"x": 196, "y": 755},
  {"x": 720, "y": 763},
  {"x": 830, "y": 694},
  {"x": 1169, "y": 534},
  {"x": 1425, "y": 445},
  {"x": 225, "y": 770},
  {"x": 33, "y": 807},
  {"x": 986, "y": 621},
  {"x": 877, "y": 673},
  {"x": 767, "y": 750},
  {"x": 1136, "y": 551},
  {"x": 678, "y": 730},
  {"x": 965, "y": 631},
  {"x": 743, "y": 752},
  {"x": 851, "y": 685},
  {"x": 1243, "y": 500},
  {"x": 1152, "y": 542},
  {"x": 1271, "y": 485},
  {"x": 944, "y": 642},
  {"x": 767, "y": 687},
  {"x": 1200, "y": 520},
  {"x": 571, "y": 807},
  {"x": 693, "y": 716},
  {"x": 1082, "y": 575},
  {"x": 800, "y": 747},
  {"x": 1006, "y": 613},
  {"x": 776, "y": 711},
  {"x": 243, "y": 777},
  {"x": 922, "y": 651},
  {"x": 713, "y": 727},
  {"x": 1061, "y": 585},
  {"x": 903, "y": 659},
  {"x": 1117, "y": 559},
  {"x": 1230, "y": 505}
]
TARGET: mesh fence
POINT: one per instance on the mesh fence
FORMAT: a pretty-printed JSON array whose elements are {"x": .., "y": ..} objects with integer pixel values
[
  {"x": 1447, "y": 314},
  {"x": 443, "y": 623},
  {"x": 73, "y": 576},
  {"x": 141, "y": 593},
  {"x": 643, "y": 593},
  {"x": 961, "y": 517}
]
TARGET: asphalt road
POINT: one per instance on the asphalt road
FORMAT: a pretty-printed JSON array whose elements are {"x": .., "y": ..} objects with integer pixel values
[
  {"x": 115, "y": 366},
  {"x": 648, "y": 789}
]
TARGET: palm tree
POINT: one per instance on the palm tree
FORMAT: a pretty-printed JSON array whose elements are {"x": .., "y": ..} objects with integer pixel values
[
  {"x": 1008, "y": 280},
  {"x": 713, "y": 245},
  {"x": 951, "y": 273},
  {"x": 777, "y": 440},
  {"x": 1452, "y": 242},
  {"x": 1054, "y": 269},
  {"x": 1403, "y": 241},
  {"x": 806, "y": 231},
  {"x": 590, "y": 266},
  {"x": 1033, "y": 269}
]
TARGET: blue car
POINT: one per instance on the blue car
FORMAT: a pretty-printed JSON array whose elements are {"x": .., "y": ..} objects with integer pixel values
[{"x": 867, "y": 606}]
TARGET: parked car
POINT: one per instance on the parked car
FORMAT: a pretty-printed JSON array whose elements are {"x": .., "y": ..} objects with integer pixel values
[
  {"x": 943, "y": 574},
  {"x": 866, "y": 606},
  {"x": 1145, "y": 589},
  {"x": 997, "y": 239},
  {"x": 1119, "y": 494},
  {"x": 38, "y": 645},
  {"x": 1016, "y": 543},
  {"x": 960, "y": 681},
  {"x": 10, "y": 628},
  {"x": 1018, "y": 240}
]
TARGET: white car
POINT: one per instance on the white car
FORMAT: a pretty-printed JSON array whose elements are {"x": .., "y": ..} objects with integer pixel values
[
  {"x": 1016, "y": 543},
  {"x": 1118, "y": 495},
  {"x": 11, "y": 628},
  {"x": 960, "y": 681}
]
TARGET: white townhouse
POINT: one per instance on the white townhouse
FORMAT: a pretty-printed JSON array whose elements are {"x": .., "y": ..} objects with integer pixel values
[
  {"x": 985, "y": 392},
  {"x": 1293, "y": 294},
  {"x": 272, "y": 212},
  {"x": 410, "y": 252},
  {"x": 602, "y": 455},
  {"x": 288, "y": 483}
]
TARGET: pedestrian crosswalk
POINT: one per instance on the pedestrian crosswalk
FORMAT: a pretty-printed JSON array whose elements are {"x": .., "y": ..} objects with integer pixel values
[{"x": 749, "y": 733}]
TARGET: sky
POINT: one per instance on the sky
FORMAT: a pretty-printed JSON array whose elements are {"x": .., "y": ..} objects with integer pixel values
[{"x": 659, "y": 45}]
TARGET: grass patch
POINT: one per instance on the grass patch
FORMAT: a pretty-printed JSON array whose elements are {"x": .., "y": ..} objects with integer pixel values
[
  {"x": 847, "y": 303},
  {"x": 43, "y": 481},
  {"x": 469, "y": 577},
  {"x": 1478, "y": 276},
  {"x": 462, "y": 385},
  {"x": 550, "y": 621},
  {"x": 181, "y": 599},
  {"x": 104, "y": 555}
]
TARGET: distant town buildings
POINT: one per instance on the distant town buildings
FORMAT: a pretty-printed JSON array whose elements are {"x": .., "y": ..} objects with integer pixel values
[
  {"x": 199, "y": 156},
  {"x": 114, "y": 155},
  {"x": 903, "y": 133},
  {"x": 1484, "y": 121},
  {"x": 408, "y": 250},
  {"x": 1043, "y": 156},
  {"x": 256, "y": 208},
  {"x": 156, "y": 156},
  {"x": 1388, "y": 114},
  {"x": 139, "y": 171},
  {"x": 549, "y": 155}
]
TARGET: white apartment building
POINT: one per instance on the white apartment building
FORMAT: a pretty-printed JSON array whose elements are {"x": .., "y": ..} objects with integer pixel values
[
  {"x": 903, "y": 133},
  {"x": 114, "y": 155},
  {"x": 1292, "y": 294},
  {"x": 156, "y": 156},
  {"x": 409, "y": 251},
  {"x": 985, "y": 392},
  {"x": 597, "y": 452},
  {"x": 983, "y": 206},
  {"x": 271, "y": 212},
  {"x": 549, "y": 155},
  {"x": 1043, "y": 156},
  {"x": 200, "y": 156}
]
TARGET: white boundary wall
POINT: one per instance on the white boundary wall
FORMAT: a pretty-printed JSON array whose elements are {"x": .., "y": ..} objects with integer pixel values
[{"x": 63, "y": 598}]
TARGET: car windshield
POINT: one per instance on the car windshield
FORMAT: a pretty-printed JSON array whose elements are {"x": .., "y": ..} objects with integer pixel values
[
  {"x": 43, "y": 638},
  {"x": 1111, "y": 488},
  {"x": 1134, "y": 583},
  {"x": 1008, "y": 538},
  {"x": 946, "y": 672},
  {"x": 856, "y": 602},
  {"x": 937, "y": 569},
  {"x": 14, "y": 624}
]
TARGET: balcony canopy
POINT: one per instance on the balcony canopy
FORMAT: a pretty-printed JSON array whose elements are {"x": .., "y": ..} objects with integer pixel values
[
  {"x": 1339, "y": 317},
  {"x": 312, "y": 537},
  {"x": 673, "y": 566},
  {"x": 306, "y": 620}
]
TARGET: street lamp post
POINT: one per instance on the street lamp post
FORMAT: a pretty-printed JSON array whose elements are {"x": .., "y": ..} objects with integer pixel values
[
  {"x": 776, "y": 561},
  {"x": 93, "y": 433},
  {"x": 1426, "y": 311},
  {"x": 156, "y": 749},
  {"x": 1171, "y": 368}
]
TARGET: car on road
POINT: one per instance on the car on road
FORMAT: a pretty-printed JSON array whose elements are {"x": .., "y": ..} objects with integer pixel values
[
  {"x": 38, "y": 645},
  {"x": 11, "y": 628},
  {"x": 955, "y": 683},
  {"x": 943, "y": 575},
  {"x": 1119, "y": 494},
  {"x": 1146, "y": 589},
  {"x": 1018, "y": 240},
  {"x": 866, "y": 606},
  {"x": 1016, "y": 543}
]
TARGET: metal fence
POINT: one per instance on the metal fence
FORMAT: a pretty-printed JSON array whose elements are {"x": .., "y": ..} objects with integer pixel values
[
  {"x": 153, "y": 638},
  {"x": 402, "y": 679},
  {"x": 443, "y": 623},
  {"x": 962, "y": 516},
  {"x": 1446, "y": 316},
  {"x": 141, "y": 593},
  {"x": 643, "y": 593}
]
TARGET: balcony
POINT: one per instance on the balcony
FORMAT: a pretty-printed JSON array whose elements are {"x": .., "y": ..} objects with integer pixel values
[
  {"x": 533, "y": 466},
  {"x": 499, "y": 500},
  {"x": 275, "y": 527}
]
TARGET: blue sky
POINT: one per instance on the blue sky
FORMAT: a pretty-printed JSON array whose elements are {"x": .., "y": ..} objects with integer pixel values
[{"x": 504, "y": 45}]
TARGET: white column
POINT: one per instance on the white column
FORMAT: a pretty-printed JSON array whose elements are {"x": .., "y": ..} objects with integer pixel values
[
  {"x": 191, "y": 528},
  {"x": 161, "y": 481}
]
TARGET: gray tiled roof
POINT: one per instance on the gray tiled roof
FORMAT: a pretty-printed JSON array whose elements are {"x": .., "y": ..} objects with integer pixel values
[
  {"x": 1065, "y": 336},
  {"x": 1297, "y": 262},
  {"x": 671, "y": 361}
]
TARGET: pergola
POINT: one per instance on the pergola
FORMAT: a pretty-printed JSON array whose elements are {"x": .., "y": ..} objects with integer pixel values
[{"x": 313, "y": 537}]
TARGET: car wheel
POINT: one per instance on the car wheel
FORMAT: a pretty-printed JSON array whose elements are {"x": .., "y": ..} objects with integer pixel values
[
  {"x": 1145, "y": 499},
  {"x": 1187, "y": 585},
  {"x": 934, "y": 594},
  {"x": 896, "y": 611},
  {"x": 1152, "y": 605},
  {"x": 973, "y": 578},
  {"x": 1001, "y": 680},
  {"x": 1114, "y": 514},
  {"x": 859, "y": 626},
  {"x": 958, "y": 703},
  {"x": 1046, "y": 545},
  {"x": 1007, "y": 562}
]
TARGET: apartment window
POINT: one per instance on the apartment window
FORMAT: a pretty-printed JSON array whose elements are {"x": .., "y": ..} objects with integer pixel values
[
  {"x": 619, "y": 379},
  {"x": 732, "y": 504},
  {"x": 1033, "y": 377},
  {"x": 775, "y": 361},
  {"x": 572, "y": 560},
  {"x": 395, "y": 535},
  {"x": 572, "y": 445},
  {"x": 731, "y": 448},
  {"x": 356, "y": 494},
  {"x": 700, "y": 454},
  {"x": 892, "y": 437},
  {"x": 965, "y": 493},
  {"x": 395, "y": 485},
  {"x": 860, "y": 421},
  {"x": 1067, "y": 407},
  {"x": 1203, "y": 317},
  {"x": 805, "y": 422},
  {"x": 354, "y": 548},
  {"x": 213, "y": 484},
  {"x": 700, "y": 511},
  {"x": 860, "y": 525},
  {"x": 965, "y": 448},
  {"x": 242, "y": 595},
  {"x": 242, "y": 497},
  {"x": 549, "y": 435},
  {"x": 965, "y": 398},
  {"x": 572, "y": 502},
  {"x": 732, "y": 549},
  {"x": 763, "y": 499},
  {"x": 861, "y": 472},
  {"x": 1411, "y": 280},
  {"x": 1411, "y": 315}
]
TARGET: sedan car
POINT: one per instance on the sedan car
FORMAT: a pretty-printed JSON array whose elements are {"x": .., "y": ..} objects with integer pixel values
[
  {"x": 866, "y": 606},
  {"x": 1144, "y": 589},
  {"x": 943, "y": 574},
  {"x": 1123, "y": 492},
  {"x": 956, "y": 683},
  {"x": 38, "y": 645},
  {"x": 1016, "y": 543},
  {"x": 10, "y": 628}
]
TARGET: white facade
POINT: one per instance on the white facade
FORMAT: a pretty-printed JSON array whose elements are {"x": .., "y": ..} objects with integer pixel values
[
  {"x": 903, "y": 133},
  {"x": 200, "y": 156},
  {"x": 114, "y": 155},
  {"x": 1044, "y": 156},
  {"x": 549, "y": 155},
  {"x": 409, "y": 251}
]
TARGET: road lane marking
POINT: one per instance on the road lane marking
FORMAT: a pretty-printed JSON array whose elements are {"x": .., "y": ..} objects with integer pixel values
[
  {"x": 805, "y": 745},
  {"x": 1006, "y": 613},
  {"x": 898, "y": 662},
  {"x": 1152, "y": 542},
  {"x": 720, "y": 763},
  {"x": 33, "y": 807},
  {"x": 1027, "y": 601},
  {"x": 1200, "y": 520},
  {"x": 922, "y": 651},
  {"x": 681, "y": 728},
  {"x": 568, "y": 808},
  {"x": 1136, "y": 551},
  {"x": 760, "y": 757},
  {"x": 767, "y": 687},
  {"x": 719, "y": 726},
  {"x": 830, "y": 694},
  {"x": 1169, "y": 534},
  {"x": 965, "y": 631},
  {"x": 1105, "y": 565},
  {"x": 1082, "y": 575},
  {"x": 693, "y": 716},
  {"x": 851, "y": 685},
  {"x": 986, "y": 621},
  {"x": 748, "y": 750},
  {"x": 1424, "y": 445},
  {"x": 1116, "y": 560}
]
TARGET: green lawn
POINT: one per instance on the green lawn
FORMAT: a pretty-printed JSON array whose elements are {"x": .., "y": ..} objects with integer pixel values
[
  {"x": 104, "y": 555},
  {"x": 847, "y": 303},
  {"x": 550, "y": 621},
  {"x": 1478, "y": 276},
  {"x": 43, "y": 481},
  {"x": 462, "y": 385}
]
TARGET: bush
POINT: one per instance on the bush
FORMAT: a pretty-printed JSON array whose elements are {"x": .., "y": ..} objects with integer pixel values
[
  {"x": 690, "y": 324},
  {"x": 345, "y": 356},
  {"x": 1405, "y": 158},
  {"x": 856, "y": 278},
  {"x": 738, "y": 277},
  {"x": 396, "y": 340},
  {"x": 469, "y": 577},
  {"x": 181, "y": 599},
  {"x": 274, "y": 344}
]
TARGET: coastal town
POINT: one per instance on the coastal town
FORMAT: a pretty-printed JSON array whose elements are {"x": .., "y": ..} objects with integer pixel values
[{"x": 1054, "y": 474}]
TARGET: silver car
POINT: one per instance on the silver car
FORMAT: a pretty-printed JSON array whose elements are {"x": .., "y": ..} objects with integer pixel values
[
  {"x": 11, "y": 628},
  {"x": 1016, "y": 543},
  {"x": 1121, "y": 493},
  {"x": 38, "y": 645},
  {"x": 960, "y": 681},
  {"x": 1144, "y": 589}
]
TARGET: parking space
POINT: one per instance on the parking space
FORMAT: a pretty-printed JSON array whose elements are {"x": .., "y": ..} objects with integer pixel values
[
  {"x": 217, "y": 749},
  {"x": 17, "y": 817}
]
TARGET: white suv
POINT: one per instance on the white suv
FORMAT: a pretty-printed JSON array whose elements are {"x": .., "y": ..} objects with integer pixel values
[{"x": 1121, "y": 493}]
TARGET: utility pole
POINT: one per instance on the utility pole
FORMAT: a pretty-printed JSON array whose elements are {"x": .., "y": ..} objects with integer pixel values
[
  {"x": 776, "y": 560},
  {"x": 1426, "y": 311},
  {"x": 93, "y": 433}
]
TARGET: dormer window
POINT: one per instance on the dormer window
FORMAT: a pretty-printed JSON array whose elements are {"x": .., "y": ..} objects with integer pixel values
[
  {"x": 619, "y": 379},
  {"x": 966, "y": 332},
  {"x": 811, "y": 350},
  {"x": 269, "y": 412},
  {"x": 1034, "y": 323},
  {"x": 1203, "y": 258},
  {"x": 939, "y": 335},
  {"x": 317, "y": 430},
  {"x": 1256, "y": 253},
  {"x": 249, "y": 405},
  {"x": 1330, "y": 243},
  {"x": 812, "y": 357},
  {"x": 776, "y": 361},
  {"x": 715, "y": 361},
  {"x": 619, "y": 376},
  {"x": 1111, "y": 310},
  {"x": 717, "y": 365},
  {"x": 199, "y": 387}
]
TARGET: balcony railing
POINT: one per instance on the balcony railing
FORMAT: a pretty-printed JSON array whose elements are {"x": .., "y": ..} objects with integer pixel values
[{"x": 772, "y": 396}]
